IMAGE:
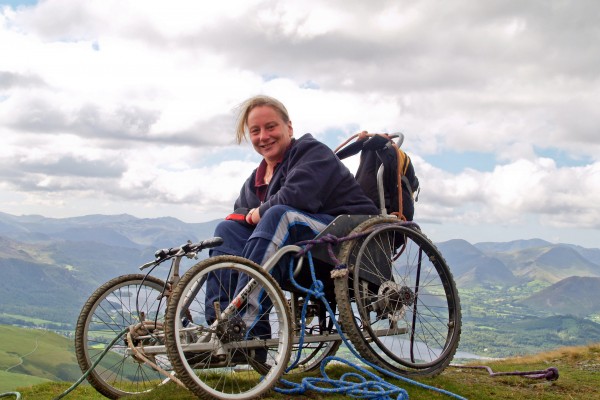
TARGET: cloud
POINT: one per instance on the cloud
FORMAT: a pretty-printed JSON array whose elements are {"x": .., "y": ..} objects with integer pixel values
[
  {"x": 132, "y": 103},
  {"x": 566, "y": 196}
]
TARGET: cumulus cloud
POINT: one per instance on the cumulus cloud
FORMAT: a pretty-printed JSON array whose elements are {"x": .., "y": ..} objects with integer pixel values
[
  {"x": 566, "y": 196},
  {"x": 129, "y": 106}
]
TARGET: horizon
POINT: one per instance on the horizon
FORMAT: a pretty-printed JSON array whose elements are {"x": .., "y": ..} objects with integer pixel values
[
  {"x": 129, "y": 107},
  {"x": 438, "y": 240}
]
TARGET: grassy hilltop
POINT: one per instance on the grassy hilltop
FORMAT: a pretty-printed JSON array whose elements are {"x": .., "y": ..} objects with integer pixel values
[{"x": 26, "y": 351}]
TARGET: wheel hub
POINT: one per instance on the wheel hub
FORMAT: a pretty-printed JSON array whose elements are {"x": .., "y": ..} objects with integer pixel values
[
  {"x": 231, "y": 330},
  {"x": 393, "y": 297}
]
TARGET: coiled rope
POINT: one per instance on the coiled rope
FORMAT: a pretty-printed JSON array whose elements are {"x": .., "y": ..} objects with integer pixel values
[{"x": 350, "y": 384}]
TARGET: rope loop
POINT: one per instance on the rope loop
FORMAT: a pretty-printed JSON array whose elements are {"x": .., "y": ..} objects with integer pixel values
[{"x": 350, "y": 384}]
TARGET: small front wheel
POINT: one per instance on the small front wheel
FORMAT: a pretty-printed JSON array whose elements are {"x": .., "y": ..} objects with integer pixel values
[
  {"x": 126, "y": 301},
  {"x": 242, "y": 354}
]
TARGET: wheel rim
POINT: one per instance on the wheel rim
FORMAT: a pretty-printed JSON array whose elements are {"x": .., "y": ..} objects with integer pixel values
[
  {"x": 235, "y": 376},
  {"x": 417, "y": 296},
  {"x": 113, "y": 311}
]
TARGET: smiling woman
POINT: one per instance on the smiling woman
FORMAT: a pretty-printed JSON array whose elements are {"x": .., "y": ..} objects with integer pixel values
[{"x": 298, "y": 188}]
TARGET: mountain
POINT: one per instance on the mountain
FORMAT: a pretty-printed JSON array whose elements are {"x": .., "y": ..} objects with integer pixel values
[
  {"x": 578, "y": 296},
  {"x": 120, "y": 230},
  {"x": 592, "y": 255},
  {"x": 514, "y": 245},
  {"x": 51, "y": 266},
  {"x": 549, "y": 263},
  {"x": 471, "y": 267}
]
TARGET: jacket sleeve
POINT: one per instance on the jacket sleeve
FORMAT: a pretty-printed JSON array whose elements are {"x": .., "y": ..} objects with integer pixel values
[
  {"x": 308, "y": 179},
  {"x": 247, "y": 197}
]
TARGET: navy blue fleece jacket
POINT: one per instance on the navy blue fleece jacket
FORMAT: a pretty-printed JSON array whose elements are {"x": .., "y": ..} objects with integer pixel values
[{"x": 310, "y": 178}]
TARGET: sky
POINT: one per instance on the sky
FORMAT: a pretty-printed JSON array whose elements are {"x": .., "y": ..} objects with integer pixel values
[{"x": 112, "y": 107}]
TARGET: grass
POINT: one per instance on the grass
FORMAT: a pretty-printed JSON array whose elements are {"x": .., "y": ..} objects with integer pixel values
[
  {"x": 36, "y": 352},
  {"x": 579, "y": 369},
  {"x": 10, "y": 380}
]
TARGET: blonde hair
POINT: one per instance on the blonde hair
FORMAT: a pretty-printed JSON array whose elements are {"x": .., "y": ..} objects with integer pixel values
[{"x": 249, "y": 105}]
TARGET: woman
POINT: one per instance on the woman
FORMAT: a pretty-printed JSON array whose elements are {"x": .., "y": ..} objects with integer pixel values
[{"x": 295, "y": 192}]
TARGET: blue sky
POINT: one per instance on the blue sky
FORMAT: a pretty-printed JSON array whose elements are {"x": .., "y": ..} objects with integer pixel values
[
  {"x": 128, "y": 107},
  {"x": 17, "y": 3}
]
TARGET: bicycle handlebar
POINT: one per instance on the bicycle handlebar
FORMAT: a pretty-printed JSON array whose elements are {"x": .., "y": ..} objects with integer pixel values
[{"x": 183, "y": 250}]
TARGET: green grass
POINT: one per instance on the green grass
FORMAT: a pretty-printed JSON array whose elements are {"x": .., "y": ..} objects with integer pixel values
[
  {"x": 579, "y": 369},
  {"x": 9, "y": 381},
  {"x": 43, "y": 353}
]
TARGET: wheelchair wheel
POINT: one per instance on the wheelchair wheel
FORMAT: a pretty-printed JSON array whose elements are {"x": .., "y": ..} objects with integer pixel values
[
  {"x": 228, "y": 358},
  {"x": 114, "y": 306},
  {"x": 408, "y": 316},
  {"x": 315, "y": 347}
]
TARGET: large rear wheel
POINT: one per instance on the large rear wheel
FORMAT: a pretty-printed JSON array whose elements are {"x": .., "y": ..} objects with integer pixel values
[{"x": 399, "y": 299}]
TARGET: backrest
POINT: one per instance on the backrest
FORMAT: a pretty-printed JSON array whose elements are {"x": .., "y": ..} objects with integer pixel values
[{"x": 399, "y": 179}]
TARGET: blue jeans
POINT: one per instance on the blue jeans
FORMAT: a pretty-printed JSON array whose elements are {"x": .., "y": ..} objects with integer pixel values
[{"x": 280, "y": 226}]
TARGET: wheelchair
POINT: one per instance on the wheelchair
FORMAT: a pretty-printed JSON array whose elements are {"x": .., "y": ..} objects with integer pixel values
[{"x": 375, "y": 280}]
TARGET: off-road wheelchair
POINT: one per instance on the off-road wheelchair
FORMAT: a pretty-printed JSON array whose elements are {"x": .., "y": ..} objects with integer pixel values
[{"x": 376, "y": 280}]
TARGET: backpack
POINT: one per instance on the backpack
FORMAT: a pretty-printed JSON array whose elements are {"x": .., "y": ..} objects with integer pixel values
[{"x": 399, "y": 179}]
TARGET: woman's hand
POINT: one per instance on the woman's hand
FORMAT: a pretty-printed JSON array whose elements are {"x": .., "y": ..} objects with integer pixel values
[{"x": 253, "y": 216}]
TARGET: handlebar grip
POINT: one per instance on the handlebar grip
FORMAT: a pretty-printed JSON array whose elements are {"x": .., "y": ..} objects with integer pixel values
[
  {"x": 212, "y": 242},
  {"x": 163, "y": 253}
]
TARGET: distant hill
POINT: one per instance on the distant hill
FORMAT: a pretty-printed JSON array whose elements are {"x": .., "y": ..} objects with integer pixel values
[
  {"x": 116, "y": 230},
  {"x": 579, "y": 296},
  {"x": 550, "y": 264},
  {"x": 592, "y": 255},
  {"x": 536, "y": 259},
  {"x": 50, "y": 266},
  {"x": 471, "y": 267},
  {"x": 514, "y": 245},
  {"x": 41, "y": 290}
]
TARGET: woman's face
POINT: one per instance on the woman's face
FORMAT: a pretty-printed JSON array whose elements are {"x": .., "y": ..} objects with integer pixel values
[{"x": 269, "y": 135}]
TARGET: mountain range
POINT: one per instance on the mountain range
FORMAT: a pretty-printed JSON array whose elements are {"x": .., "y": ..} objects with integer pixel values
[{"x": 50, "y": 266}]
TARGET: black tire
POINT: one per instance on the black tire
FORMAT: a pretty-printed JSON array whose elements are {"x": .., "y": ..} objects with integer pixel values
[
  {"x": 399, "y": 304},
  {"x": 109, "y": 310},
  {"x": 226, "y": 363}
]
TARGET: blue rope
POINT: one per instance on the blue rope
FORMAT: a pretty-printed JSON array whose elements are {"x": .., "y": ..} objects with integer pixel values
[{"x": 351, "y": 384}]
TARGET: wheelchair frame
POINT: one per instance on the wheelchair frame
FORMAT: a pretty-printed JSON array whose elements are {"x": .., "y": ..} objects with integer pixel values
[{"x": 395, "y": 295}]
